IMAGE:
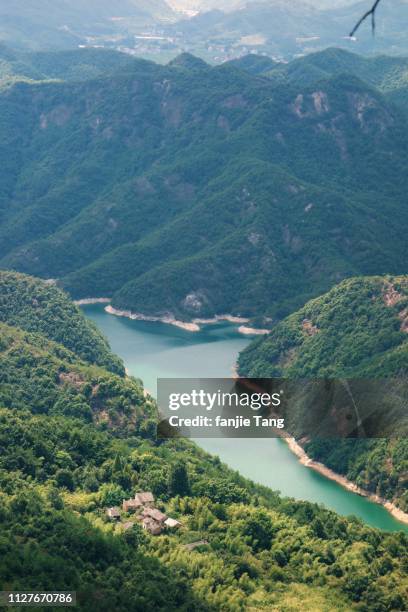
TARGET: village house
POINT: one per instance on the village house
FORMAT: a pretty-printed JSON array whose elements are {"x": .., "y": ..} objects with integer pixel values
[
  {"x": 155, "y": 514},
  {"x": 131, "y": 505},
  {"x": 153, "y": 520},
  {"x": 145, "y": 498},
  {"x": 113, "y": 513},
  {"x": 152, "y": 526}
]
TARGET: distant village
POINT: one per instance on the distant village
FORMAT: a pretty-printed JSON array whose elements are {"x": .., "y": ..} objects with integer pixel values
[
  {"x": 142, "y": 506},
  {"x": 157, "y": 43}
]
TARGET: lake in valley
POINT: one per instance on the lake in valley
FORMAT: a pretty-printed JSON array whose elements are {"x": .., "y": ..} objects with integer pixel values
[{"x": 156, "y": 350}]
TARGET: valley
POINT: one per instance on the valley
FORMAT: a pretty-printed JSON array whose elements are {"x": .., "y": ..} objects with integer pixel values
[
  {"x": 203, "y": 189},
  {"x": 155, "y": 350},
  {"x": 236, "y": 156},
  {"x": 78, "y": 438}
]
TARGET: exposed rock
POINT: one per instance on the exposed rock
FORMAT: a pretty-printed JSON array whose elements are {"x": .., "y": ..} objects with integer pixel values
[
  {"x": 71, "y": 378},
  {"x": 321, "y": 102},
  {"x": 254, "y": 238},
  {"x": 403, "y": 316},
  {"x": 391, "y": 296},
  {"x": 309, "y": 328}
]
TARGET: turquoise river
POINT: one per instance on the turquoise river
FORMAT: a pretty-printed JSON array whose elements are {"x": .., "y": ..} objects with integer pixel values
[{"x": 154, "y": 350}]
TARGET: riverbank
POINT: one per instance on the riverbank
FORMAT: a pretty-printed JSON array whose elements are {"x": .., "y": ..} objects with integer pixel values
[
  {"x": 252, "y": 331},
  {"x": 305, "y": 460},
  {"x": 90, "y": 301},
  {"x": 193, "y": 326}
]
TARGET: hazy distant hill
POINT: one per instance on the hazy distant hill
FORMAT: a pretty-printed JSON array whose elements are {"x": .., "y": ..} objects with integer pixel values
[
  {"x": 217, "y": 31},
  {"x": 43, "y": 24},
  {"x": 271, "y": 27},
  {"x": 288, "y": 29},
  {"x": 198, "y": 190},
  {"x": 79, "y": 64}
]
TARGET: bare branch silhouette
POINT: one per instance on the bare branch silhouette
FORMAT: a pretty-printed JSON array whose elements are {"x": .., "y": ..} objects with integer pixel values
[{"x": 370, "y": 13}]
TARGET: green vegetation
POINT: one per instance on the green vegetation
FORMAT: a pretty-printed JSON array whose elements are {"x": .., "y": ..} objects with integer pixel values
[
  {"x": 387, "y": 74},
  {"x": 78, "y": 65},
  {"x": 37, "y": 306},
  {"x": 198, "y": 190},
  {"x": 76, "y": 438},
  {"x": 356, "y": 330}
]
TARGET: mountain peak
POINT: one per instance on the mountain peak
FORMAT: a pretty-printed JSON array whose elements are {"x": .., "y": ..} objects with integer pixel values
[
  {"x": 254, "y": 64},
  {"x": 189, "y": 61}
]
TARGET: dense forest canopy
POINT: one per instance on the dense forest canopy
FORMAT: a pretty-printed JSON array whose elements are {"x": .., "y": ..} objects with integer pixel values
[
  {"x": 77, "y": 439},
  {"x": 356, "y": 330},
  {"x": 38, "y": 306},
  {"x": 184, "y": 182}
]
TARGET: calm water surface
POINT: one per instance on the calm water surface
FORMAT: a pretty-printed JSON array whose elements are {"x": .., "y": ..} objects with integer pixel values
[{"x": 154, "y": 350}]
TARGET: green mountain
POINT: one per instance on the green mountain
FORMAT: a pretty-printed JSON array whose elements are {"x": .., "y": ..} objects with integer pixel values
[
  {"x": 356, "y": 330},
  {"x": 198, "y": 191},
  {"x": 75, "y": 65},
  {"x": 388, "y": 74},
  {"x": 39, "y": 307},
  {"x": 77, "y": 439}
]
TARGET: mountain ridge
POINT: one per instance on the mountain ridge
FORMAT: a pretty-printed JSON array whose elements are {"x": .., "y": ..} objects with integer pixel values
[{"x": 229, "y": 154}]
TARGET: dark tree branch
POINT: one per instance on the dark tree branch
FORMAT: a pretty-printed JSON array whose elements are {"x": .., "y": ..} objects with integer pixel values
[{"x": 370, "y": 13}]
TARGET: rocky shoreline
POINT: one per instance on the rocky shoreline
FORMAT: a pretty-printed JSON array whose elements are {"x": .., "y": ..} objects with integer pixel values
[
  {"x": 253, "y": 331},
  {"x": 305, "y": 460},
  {"x": 88, "y": 301},
  {"x": 193, "y": 326},
  {"x": 294, "y": 446}
]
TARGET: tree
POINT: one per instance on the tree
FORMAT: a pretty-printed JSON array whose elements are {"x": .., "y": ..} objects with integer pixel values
[
  {"x": 65, "y": 479},
  {"x": 179, "y": 482},
  {"x": 111, "y": 494},
  {"x": 259, "y": 529}
]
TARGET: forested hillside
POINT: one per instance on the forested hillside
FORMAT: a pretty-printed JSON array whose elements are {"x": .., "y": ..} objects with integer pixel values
[
  {"x": 37, "y": 306},
  {"x": 388, "y": 74},
  {"x": 77, "y": 439},
  {"x": 356, "y": 330},
  {"x": 81, "y": 64},
  {"x": 167, "y": 188}
]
